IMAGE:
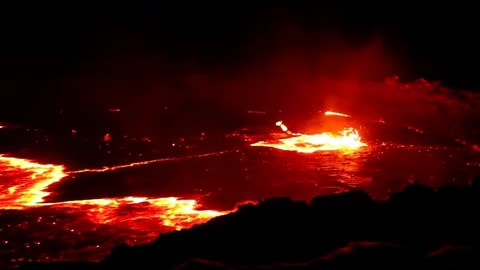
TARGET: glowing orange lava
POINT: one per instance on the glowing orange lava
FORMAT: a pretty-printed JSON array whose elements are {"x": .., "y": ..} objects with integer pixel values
[
  {"x": 23, "y": 184},
  {"x": 347, "y": 140},
  {"x": 26, "y": 182},
  {"x": 329, "y": 113},
  {"x": 142, "y": 163}
]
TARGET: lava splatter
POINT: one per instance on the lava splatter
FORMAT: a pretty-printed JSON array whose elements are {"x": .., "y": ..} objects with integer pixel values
[{"x": 347, "y": 140}]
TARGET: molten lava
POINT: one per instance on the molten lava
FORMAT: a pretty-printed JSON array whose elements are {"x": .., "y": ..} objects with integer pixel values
[
  {"x": 329, "y": 113},
  {"x": 24, "y": 184},
  {"x": 347, "y": 140}
]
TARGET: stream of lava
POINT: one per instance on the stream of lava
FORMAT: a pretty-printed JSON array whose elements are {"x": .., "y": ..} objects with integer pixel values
[
  {"x": 24, "y": 184},
  {"x": 348, "y": 140}
]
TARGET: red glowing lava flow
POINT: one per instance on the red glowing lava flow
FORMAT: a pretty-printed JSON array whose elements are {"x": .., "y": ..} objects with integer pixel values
[
  {"x": 329, "y": 113},
  {"x": 24, "y": 183},
  {"x": 147, "y": 162},
  {"x": 347, "y": 140}
]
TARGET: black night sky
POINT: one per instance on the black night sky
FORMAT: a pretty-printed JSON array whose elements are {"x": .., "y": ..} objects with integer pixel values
[{"x": 86, "y": 57}]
